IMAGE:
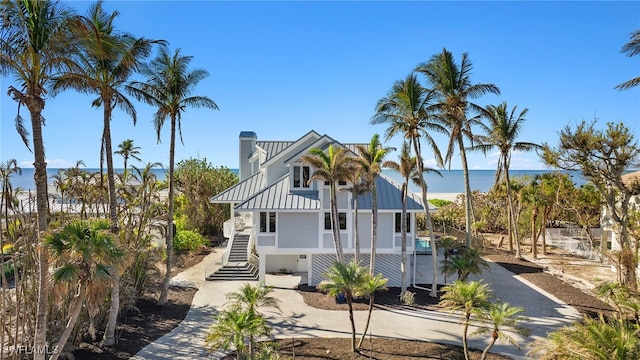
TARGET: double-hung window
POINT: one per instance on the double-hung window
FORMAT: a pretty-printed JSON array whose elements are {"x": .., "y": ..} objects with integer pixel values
[
  {"x": 301, "y": 176},
  {"x": 342, "y": 220},
  {"x": 398, "y": 221},
  {"x": 267, "y": 222}
]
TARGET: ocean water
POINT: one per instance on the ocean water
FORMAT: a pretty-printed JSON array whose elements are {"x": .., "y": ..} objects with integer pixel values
[{"x": 450, "y": 182}]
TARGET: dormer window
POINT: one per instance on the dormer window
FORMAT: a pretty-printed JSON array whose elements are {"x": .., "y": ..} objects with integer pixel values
[{"x": 301, "y": 176}]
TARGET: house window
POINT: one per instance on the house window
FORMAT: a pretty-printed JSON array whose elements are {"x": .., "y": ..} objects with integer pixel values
[
  {"x": 301, "y": 176},
  {"x": 342, "y": 219},
  {"x": 267, "y": 222},
  {"x": 341, "y": 182},
  {"x": 398, "y": 220}
]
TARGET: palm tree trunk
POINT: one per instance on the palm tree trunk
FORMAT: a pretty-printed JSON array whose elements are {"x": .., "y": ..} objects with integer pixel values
[
  {"x": 513, "y": 225},
  {"x": 109, "y": 338},
  {"x": 366, "y": 326},
  {"x": 403, "y": 252},
  {"x": 534, "y": 237},
  {"x": 425, "y": 203},
  {"x": 465, "y": 346},
  {"x": 42, "y": 203},
  {"x": 109, "y": 335},
  {"x": 353, "y": 324},
  {"x": 494, "y": 337},
  {"x": 335, "y": 224},
  {"x": 167, "y": 277},
  {"x": 73, "y": 318},
  {"x": 467, "y": 191},
  {"x": 374, "y": 227},
  {"x": 356, "y": 232}
]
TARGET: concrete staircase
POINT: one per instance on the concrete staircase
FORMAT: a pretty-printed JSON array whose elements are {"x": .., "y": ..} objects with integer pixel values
[{"x": 238, "y": 267}]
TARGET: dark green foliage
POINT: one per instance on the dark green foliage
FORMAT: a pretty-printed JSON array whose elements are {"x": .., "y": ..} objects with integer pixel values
[
  {"x": 198, "y": 181},
  {"x": 188, "y": 240},
  {"x": 439, "y": 202}
]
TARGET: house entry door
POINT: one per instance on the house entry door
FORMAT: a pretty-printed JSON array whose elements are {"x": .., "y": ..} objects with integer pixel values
[{"x": 303, "y": 265}]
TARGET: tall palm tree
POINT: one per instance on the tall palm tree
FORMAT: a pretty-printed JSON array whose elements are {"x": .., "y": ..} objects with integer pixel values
[
  {"x": 406, "y": 168},
  {"x": 467, "y": 298},
  {"x": 109, "y": 59},
  {"x": 406, "y": 110},
  {"x": 85, "y": 253},
  {"x": 370, "y": 160},
  {"x": 632, "y": 48},
  {"x": 332, "y": 167},
  {"x": 347, "y": 279},
  {"x": 358, "y": 187},
  {"x": 35, "y": 46},
  {"x": 453, "y": 91},
  {"x": 168, "y": 86},
  {"x": 497, "y": 318},
  {"x": 501, "y": 133},
  {"x": 128, "y": 150}
]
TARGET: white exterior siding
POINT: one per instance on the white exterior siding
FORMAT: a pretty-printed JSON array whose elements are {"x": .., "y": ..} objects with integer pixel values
[
  {"x": 387, "y": 264},
  {"x": 266, "y": 240},
  {"x": 275, "y": 263},
  {"x": 297, "y": 230},
  {"x": 385, "y": 230}
]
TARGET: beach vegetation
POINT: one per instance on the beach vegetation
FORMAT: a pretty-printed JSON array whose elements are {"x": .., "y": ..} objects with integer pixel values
[
  {"x": 127, "y": 150},
  {"x": 36, "y": 45},
  {"x": 356, "y": 186},
  {"x": 188, "y": 240},
  {"x": 464, "y": 263},
  {"x": 168, "y": 85},
  {"x": 496, "y": 319},
  {"x": 453, "y": 92},
  {"x": 602, "y": 156},
  {"x": 197, "y": 181},
  {"x": 501, "y": 132}
]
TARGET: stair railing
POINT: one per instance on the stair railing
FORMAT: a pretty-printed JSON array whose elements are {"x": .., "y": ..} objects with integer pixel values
[
  {"x": 213, "y": 266},
  {"x": 254, "y": 260},
  {"x": 227, "y": 251}
]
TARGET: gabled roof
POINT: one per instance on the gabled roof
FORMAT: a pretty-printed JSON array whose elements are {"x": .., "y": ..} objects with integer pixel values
[
  {"x": 390, "y": 197},
  {"x": 272, "y": 148},
  {"x": 278, "y": 197},
  {"x": 242, "y": 190},
  {"x": 323, "y": 143},
  {"x": 271, "y": 157}
]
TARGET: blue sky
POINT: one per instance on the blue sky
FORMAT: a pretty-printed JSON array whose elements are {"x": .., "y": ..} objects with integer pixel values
[{"x": 282, "y": 69}]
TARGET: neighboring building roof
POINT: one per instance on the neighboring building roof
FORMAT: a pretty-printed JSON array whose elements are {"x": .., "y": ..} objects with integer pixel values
[
  {"x": 390, "y": 197},
  {"x": 273, "y": 148},
  {"x": 278, "y": 197},
  {"x": 242, "y": 190},
  {"x": 632, "y": 179}
]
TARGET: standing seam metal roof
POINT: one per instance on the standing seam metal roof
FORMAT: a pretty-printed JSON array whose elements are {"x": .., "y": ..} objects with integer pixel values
[
  {"x": 278, "y": 197},
  {"x": 241, "y": 191},
  {"x": 390, "y": 197},
  {"x": 273, "y": 148}
]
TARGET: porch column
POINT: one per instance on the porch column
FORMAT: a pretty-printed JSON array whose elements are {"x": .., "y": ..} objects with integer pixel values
[{"x": 262, "y": 269}]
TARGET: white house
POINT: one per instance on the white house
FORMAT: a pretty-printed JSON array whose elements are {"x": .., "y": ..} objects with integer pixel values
[{"x": 287, "y": 218}]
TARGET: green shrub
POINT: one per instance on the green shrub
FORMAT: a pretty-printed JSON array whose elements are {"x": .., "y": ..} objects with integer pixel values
[
  {"x": 439, "y": 202},
  {"x": 188, "y": 240}
]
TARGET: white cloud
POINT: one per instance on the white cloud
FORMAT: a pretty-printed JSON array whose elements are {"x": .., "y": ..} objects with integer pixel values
[{"x": 51, "y": 164}]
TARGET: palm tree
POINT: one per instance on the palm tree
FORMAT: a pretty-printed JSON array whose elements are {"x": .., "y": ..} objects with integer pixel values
[
  {"x": 498, "y": 317},
  {"x": 86, "y": 254},
  {"x": 464, "y": 264},
  {"x": 406, "y": 168},
  {"x": 347, "y": 279},
  {"x": 168, "y": 86},
  {"x": 35, "y": 46},
  {"x": 468, "y": 298},
  {"x": 453, "y": 91},
  {"x": 632, "y": 48},
  {"x": 358, "y": 187},
  {"x": 590, "y": 339},
  {"x": 370, "y": 287},
  {"x": 332, "y": 167},
  {"x": 369, "y": 161},
  {"x": 448, "y": 245},
  {"x": 501, "y": 133},
  {"x": 247, "y": 299},
  {"x": 233, "y": 327},
  {"x": 127, "y": 150},
  {"x": 406, "y": 111}
]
